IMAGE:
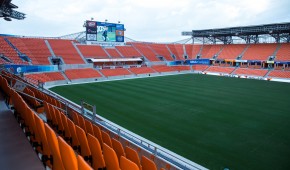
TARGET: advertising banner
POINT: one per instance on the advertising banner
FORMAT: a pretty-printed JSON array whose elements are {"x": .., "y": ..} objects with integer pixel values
[
  {"x": 17, "y": 69},
  {"x": 198, "y": 61}
]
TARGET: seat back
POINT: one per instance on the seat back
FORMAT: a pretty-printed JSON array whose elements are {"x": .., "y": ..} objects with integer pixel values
[
  {"x": 59, "y": 121},
  {"x": 84, "y": 146},
  {"x": 53, "y": 115},
  {"x": 82, "y": 164},
  {"x": 89, "y": 127},
  {"x": 67, "y": 154},
  {"x": 98, "y": 133},
  {"x": 98, "y": 161},
  {"x": 126, "y": 164},
  {"x": 54, "y": 148},
  {"x": 110, "y": 158},
  {"x": 67, "y": 134},
  {"x": 75, "y": 117},
  {"x": 47, "y": 111},
  {"x": 43, "y": 138},
  {"x": 72, "y": 129},
  {"x": 82, "y": 122},
  {"x": 118, "y": 147},
  {"x": 132, "y": 155},
  {"x": 106, "y": 138},
  {"x": 147, "y": 164}
]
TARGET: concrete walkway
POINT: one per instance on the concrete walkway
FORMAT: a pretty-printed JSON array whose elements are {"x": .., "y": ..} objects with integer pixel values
[{"x": 16, "y": 153}]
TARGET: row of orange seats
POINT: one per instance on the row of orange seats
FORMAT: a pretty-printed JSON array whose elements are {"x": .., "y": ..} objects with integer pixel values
[
  {"x": 85, "y": 142},
  {"x": 82, "y": 73},
  {"x": 55, "y": 152},
  {"x": 112, "y": 155}
]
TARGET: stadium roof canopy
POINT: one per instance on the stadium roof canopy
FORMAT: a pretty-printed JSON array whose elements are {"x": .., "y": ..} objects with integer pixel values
[
  {"x": 7, "y": 11},
  {"x": 250, "y": 34}
]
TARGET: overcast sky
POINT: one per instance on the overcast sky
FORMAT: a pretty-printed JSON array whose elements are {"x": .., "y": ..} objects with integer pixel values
[{"x": 144, "y": 20}]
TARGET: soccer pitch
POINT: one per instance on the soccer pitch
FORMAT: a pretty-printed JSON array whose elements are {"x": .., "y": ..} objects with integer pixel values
[{"x": 217, "y": 122}]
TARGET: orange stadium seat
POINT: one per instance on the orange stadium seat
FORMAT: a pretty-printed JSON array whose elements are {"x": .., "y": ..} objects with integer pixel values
[
  {"x": 279, "y": 74},
  {"x": 113, "y": 52},
  {"x": 161, "y": 50},
  {"x": 118, "y": 148},
  {"x": 106, "y": 138},
  {"x": 177, "y": 50},
  {"x": 54, "y": 148},
  {"x": 34, "y": 48},
  {"x": 192, "y": 50},
  {"x": 115, "y": 72},
  {"x": 252, "y": 72},
  {"x": 89, "y": 127},
  {"x": 47, "y": 112},
  {"x": 147, "y": 164},
  {"x": 66, "y": 133},
  {"x": 45, "y": 150},
  {"x": 162, "y": 68},
  {"x": 126, "y": 164},
  {"x": 82, "y": 164},
  {"x": 46, "y": 77},
  {"x": 68, "y": 155},
  {"x": 181, "y": 68},
  {"x": 259, "y": 51},
  {"x": 132, "y": 155},
  {"x": 60, "y": 125},
  {"x": 128, "y": 51},
  {"x": 82, "y": 123},
  {"x": 9, "y": 52},
  {"x": 217, "y": 69},
  {"x": 209, "y": 51},
  {"x": 283, "y": 53},
  {"x": 110, "y": 158},
  {"x": 146, "y": 51},
  {"x": 75, "y": 117},
  {"x": 31, "y": 99},
  {"x": 92, "y": 51},
  {"x": 98, "y": 161},
  {"x": 232, "y": 51},
  {"x": 84, "y": 146},
  {"x": 98, "y": 133},
  {"x": 32, "y": 129},
  {"x": 142, "y": 70},
  {"x": 66, "y": 50},
  {"x": 72, "y": 128},
  {"x": 53, "y": 117},
  {"x": 82, "y": 73}
]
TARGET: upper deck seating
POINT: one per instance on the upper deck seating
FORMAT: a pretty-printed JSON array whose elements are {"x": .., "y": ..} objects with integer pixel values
[
  {"x": 66, "y": 50},
  {"x": 92, "y": 51},
  {"x": 259, "y": 51},
  {"x": 146, "y": 51}
]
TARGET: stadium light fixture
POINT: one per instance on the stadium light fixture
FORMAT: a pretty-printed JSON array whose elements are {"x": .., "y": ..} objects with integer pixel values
[{"x": 8, "y": 19}]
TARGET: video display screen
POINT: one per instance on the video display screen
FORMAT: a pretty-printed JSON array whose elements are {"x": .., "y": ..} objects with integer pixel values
[{"x": 104, "y": 31}]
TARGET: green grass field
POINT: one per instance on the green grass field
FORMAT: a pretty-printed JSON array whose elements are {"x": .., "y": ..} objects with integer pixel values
[{"x": 214, "y": 121}]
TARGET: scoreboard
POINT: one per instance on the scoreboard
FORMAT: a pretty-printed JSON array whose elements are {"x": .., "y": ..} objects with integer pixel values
[{"x": 104, "y": 31}]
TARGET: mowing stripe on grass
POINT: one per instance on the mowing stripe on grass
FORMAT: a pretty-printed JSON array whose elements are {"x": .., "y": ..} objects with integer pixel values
[{"x": 214, "y": 121}]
